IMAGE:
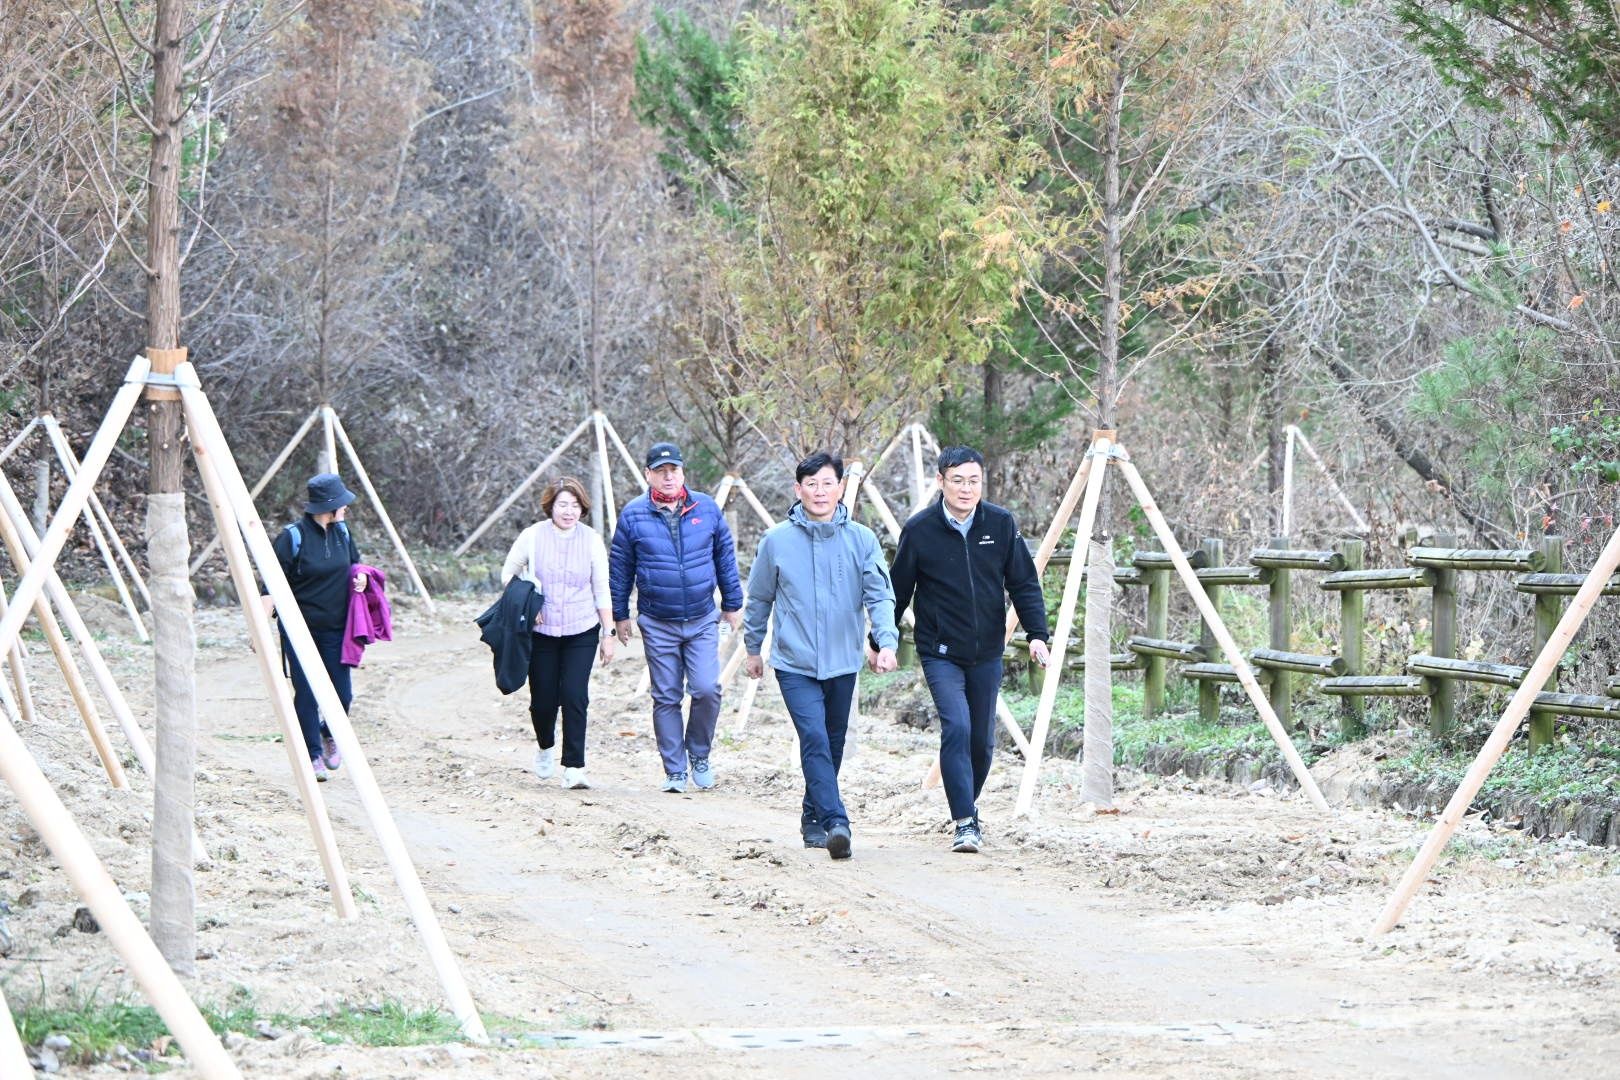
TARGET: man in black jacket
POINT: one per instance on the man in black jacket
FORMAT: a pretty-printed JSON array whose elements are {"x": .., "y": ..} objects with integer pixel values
[{"x": 960, "y": 559}]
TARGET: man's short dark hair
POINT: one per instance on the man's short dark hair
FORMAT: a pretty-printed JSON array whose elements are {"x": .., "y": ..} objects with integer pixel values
[
  {"x": 952, "y": 456},
  {"x": 815, "y": 463}
]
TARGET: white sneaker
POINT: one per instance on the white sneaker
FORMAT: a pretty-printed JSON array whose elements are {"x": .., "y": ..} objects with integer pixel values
[
  {"x": 544, "y": 767},
  {"x": 574, "y": 779}
]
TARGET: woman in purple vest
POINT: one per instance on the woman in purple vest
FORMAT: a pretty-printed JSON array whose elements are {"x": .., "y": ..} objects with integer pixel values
[{"x": 567, "y": 562}]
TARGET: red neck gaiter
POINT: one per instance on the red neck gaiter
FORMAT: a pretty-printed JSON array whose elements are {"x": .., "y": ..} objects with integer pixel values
[{"x": 676, "y": 499}]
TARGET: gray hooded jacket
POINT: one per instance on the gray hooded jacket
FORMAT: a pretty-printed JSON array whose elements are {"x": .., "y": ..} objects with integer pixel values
[{"x": 822, "y": 579}]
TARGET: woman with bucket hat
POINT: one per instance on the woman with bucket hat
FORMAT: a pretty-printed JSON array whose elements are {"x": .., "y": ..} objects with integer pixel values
[{"x": 318, "y": 555}]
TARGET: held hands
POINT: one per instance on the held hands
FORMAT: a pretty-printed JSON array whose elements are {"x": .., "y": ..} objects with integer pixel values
[
  {"x": 1038, "y": 652},
  {"x": 754, "y": 667},
  {"x": 881, "y": 661},
  {"x": 621, "y": 630}
]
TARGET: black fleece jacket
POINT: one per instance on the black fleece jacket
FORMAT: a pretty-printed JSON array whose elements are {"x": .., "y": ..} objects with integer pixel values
[{"x": 961, "y": 584}]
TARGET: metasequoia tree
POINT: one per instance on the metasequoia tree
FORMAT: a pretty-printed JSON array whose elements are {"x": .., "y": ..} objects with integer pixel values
[
  {"x": 172, "y": 113},
  {"x": 579, "y": 162},
  {"x": 881, "y": 236},
  {"x": 331, "y": 129},
  {"x": 1129, "y": 93}
]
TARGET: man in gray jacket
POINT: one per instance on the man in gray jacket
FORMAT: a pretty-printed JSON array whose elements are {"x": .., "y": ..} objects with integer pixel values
[{"x": 822, "y": 575}]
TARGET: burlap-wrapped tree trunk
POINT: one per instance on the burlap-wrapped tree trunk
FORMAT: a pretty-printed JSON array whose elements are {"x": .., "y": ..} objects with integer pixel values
[{"x": 1097, "y": 751}]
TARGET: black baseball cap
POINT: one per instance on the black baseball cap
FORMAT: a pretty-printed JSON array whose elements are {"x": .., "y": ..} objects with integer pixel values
[{"x": 664, "y": 453}]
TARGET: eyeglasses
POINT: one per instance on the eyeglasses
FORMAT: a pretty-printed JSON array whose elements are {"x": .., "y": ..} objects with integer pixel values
[
  {"x": 820, "y": 485},
  {"x": 965, "y": 481}
]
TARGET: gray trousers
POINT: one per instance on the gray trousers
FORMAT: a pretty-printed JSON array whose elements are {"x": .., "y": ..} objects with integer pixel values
[{"x": 683, "y": 657}]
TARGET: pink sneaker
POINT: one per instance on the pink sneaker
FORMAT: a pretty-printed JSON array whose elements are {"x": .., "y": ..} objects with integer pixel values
[
  {"x": 329, "y": 753},
  {"x": 321, "y": 773}
]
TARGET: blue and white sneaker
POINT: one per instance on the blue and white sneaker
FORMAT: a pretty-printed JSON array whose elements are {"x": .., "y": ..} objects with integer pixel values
[
  {"x": 702, "y": 774},
  {"x": 674, "y": 782}
]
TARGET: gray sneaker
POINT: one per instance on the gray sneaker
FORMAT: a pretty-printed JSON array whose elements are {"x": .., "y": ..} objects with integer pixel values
[
  {"x": 674, "y": 782},
  {"x": 968, "y": 839},
  {"x": 702, "y": 774}
]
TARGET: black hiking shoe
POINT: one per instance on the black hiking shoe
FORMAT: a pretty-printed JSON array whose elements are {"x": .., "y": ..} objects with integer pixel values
[{"x": 838, "y": 841}]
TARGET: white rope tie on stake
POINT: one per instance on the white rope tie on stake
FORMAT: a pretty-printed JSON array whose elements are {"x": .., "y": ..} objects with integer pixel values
[
  {"x": 1502, "y": 734},
  {"x": 1234, "y": 656},
  {"x": 204, "y": 425}
]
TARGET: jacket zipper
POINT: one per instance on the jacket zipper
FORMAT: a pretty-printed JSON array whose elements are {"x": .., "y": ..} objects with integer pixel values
[{"x": 973, "y": 592}]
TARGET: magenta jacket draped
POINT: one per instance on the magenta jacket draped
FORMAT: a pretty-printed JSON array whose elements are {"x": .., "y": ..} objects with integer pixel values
[{"x": 370, "y": 618}]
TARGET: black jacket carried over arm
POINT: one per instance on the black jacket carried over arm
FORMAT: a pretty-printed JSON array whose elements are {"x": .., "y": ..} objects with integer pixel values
[
  {"x": 507, "y": 627},
  {"x": 960, "y": 585}
]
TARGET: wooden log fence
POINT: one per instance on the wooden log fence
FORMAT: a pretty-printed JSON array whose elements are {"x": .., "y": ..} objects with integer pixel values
[{"x": 1434, "y": 675}]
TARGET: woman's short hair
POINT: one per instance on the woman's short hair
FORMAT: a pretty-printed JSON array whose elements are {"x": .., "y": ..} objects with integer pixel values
[{"x": 548, "y": 498}]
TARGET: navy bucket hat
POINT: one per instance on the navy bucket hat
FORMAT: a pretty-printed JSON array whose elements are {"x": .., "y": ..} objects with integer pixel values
[{"x": 327, "y": 493}]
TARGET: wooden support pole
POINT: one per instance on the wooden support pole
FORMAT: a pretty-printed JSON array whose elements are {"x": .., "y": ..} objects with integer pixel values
[
  {"x": 1280, "y": 637},
  {"x": 12, "y": 514},
  {"x": 1495, "y": 746},
  {"x": 102, "y": 895},
  {"x": 205, "y": 429},
  {"x": 1054, "y": 531},
  {"x": 1234, "y": 656},
  {"x": 610, "y": 519},
  {"x": 328, "y": 440},
  {"x": 64, "y": 455},
  {"x": 1158, "y": 628},
  {"x": 1209, "y": 691},
  {"x": 19, "y": 674},
  {"x": 1443, "y": 643},
  {"x": 885, "y": 515},
  {"x": 1344, "y": 500},
  {"x": 1101, "y": 442},
  {"x": 69, "y": 668},
  {"x": 17, "y": 439},
  {"x": 266, "y": 651},
  {"x": 636, "y": 470},
  {"x": 382, "y": 511},
  {"x": 747, "y": 705},
  {"x": 1289, "y": 432},
  {"x": 528, "y": 482},
  {"x": 13, "y": 1059},
  {"x": 1352, "y": 628},
  {"x": 1543, "y": 725},
  {"x": 753, "y": 500},
  {"x": 269, "y": 474},
  {"x": 853, "y": 473},
  {"x": 73, "y": 501}
]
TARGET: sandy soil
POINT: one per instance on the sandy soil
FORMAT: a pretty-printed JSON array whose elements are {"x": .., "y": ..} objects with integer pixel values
[{"x": 1202, "y": 930}]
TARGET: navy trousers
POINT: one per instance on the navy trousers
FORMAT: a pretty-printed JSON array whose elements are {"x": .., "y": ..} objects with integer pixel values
[
  {"x": 820, "y": 711},
  {"x": 966, "y": 700},
  {"x": 330, "y": 645}
]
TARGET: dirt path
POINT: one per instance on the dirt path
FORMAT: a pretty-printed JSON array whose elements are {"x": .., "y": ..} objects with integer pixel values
[{"x": 1206, "y": 932}]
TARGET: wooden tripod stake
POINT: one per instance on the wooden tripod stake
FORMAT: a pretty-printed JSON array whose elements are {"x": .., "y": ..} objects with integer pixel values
[
  {"x": 206, "y": 431},
  {"x": 45, "y": 810},
  {"x": 1172, "y": 547},
  {"x": 1502, "y": 734},
  {"x": 332, "y": 434},
  {"x": 265, "y": 642},
  {"x": 603, "y": 432}
]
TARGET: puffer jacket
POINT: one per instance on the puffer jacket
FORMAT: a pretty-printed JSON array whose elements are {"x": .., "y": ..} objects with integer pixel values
[
  {"x": 674, "y": 565},
  {"x": 819, "y": 581}
]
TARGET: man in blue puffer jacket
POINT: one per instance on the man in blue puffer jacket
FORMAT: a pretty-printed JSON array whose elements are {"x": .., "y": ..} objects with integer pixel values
[{"x": 674, "y": 548}]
